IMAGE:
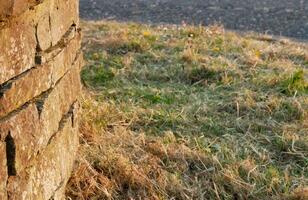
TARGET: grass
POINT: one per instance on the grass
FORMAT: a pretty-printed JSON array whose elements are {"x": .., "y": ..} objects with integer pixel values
[{"x": 191, "y": 112}]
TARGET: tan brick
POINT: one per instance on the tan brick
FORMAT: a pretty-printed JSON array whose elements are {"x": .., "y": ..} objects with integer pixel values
[
  {"x": 3, "y": 171},
  {"x": 17, "y": 92},
  {"x": 59, "y": 101},
  {"x": 49, "y": 172},
  {"x": 42, "y": 27},
  {"x": 11, "y": 8},
  {"x": 66, "y": 58},
  {"x": 64, "y": 13},
  {"x": 43, "y": 33},
  {"x": 17, "y": 47},
  {"x": 18, "y": 42},
  {"x": 24, "y": 128},
  {"x": 32, "y": 126},
  {"x": 5, "y": 8},
  {"x": 40, "y": 62}
]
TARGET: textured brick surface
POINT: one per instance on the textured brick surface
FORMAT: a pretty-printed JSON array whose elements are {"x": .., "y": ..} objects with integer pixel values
[
  {"x": 3, "y": 171},
  {"x": 40, "y": 61},
  {"x": 43, "y": 33},
  {"x": 57, "y": 102},
  {"x": 36, "y": 30},
  {"x": 63, "y": 15},
  {"x": 50, "y": 170},
  {"x": 25, "y": 130},
  {"x": 17, "y": 92},
  {"x": 33, "y": 125},
  {"x": 10, "y": 8},
  {"x": 17, "y": 47}
]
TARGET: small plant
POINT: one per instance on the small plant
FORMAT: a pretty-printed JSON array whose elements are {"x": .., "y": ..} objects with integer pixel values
[
  {"x": 204, "y": 74},
  {"x": 132, "y": 46},
  {"x": 295, "y": 84},
  {"x": 96, "y": 76},
  {"x": 288, "y": 111}
]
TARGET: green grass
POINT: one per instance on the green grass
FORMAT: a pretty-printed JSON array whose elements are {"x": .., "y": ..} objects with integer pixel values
[
  {"x": 296, "y": 83},
  {"x": 191, "y": 113}
]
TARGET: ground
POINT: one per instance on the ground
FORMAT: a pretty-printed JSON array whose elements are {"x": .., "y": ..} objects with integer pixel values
[
  {"x": 191, "y": 112},
  {"x": 279, "y": 17}
]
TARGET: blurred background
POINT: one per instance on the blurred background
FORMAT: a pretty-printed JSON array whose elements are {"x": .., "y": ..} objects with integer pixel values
[{"x": 278, "y": 17}]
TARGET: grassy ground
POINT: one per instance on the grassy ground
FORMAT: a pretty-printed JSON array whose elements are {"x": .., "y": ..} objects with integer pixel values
[{"x": 191, "y": 113}]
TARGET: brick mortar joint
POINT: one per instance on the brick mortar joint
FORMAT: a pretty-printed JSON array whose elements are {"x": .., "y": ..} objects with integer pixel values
[
  {"x": 37, "y": 136},
  {"x": 40, "y": 98},
  {"x": 61, "y": 45}
]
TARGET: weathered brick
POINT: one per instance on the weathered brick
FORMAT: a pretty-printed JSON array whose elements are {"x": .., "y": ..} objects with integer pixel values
[
  {"x": 18, "y": 41},
  {"x": 43, "y": 33},
  {"x": 67, "y": 58},
  {"x": 17, "y": 48},
  {"x": 3, "y": 171},
  {"x": 24, "y": 128},
  {"x": 40, "y": 62},
  {"x": 48, "y": 174},
  {"x": 35, "y": 30},
  {"x": 11, "y": 8},
  {"x": 59, "y": 100},
  {"x": 5, "y": 8},
  {"x": 32, "y": 126},
  {"x": 17, "y": 92},
  {"x": 64, "y": 13}
]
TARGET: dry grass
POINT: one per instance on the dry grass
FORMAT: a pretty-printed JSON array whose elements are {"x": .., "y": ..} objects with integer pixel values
[{"x": 175, "y": 112}]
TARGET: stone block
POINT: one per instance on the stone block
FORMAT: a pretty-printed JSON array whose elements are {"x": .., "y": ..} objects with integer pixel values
[
  {"x": 17, "y": 47},
  {"x": 23, "y": 129},
  {"x": 43, "y": 33},
  {"x": 48, "y": 174},
  {"x": 34, "y": 31},
  {"x": 3, "y": 171},
  {"x": 17, "y": 92},
  {"x": 63, "y": 14},
  {"x": 32, "y": 83},
  {"x": 40, "y": 62},
  {"x": 32, "y": 127},
  {"x": 58, "y": 101},
  {"x": 12, "y": 8}
]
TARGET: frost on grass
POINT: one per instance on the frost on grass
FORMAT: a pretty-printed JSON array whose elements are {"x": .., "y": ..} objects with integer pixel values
[{"x": 173, "y": 112}]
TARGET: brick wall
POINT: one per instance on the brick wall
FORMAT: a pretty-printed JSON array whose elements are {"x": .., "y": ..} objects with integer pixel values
[{"x": 40, "y": 60}]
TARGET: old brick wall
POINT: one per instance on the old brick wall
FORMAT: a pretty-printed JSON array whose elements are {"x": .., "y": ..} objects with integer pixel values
[{"x": 40, "y": 60}]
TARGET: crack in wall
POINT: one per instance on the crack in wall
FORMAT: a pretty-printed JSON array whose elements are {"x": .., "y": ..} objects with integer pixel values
[
  {"x": 4, "y": 87},
  {"x": 38, "y": 49},
  {"x": 14, "y": 112},
  {"x": 10, "y": 155},
  {"x": 57, "y": 46},
  {"x": 65, "y": 118},
  {"x": 38, "y": 100},
  {"x": 48, "y": 54},
  {"x": 37, "y": 94},
  {"x": 40, "y": 103}
]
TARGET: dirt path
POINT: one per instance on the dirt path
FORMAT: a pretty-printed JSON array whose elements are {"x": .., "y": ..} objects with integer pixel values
[{"x": 279, "y": 17}]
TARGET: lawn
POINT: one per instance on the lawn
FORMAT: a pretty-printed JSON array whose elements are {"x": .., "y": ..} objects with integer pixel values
[{"x": 191, "y": 112}]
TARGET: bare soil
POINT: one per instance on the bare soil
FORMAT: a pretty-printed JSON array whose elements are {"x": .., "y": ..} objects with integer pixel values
[{"x": 278, "y": 17}]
